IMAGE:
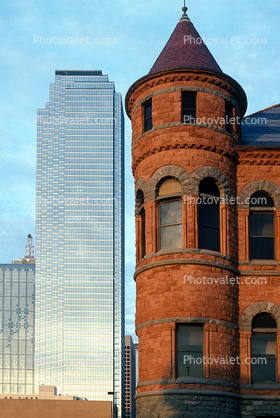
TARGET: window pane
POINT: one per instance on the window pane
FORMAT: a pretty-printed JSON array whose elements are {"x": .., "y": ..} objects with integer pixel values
[
  {"x": 7, "y": 362},
  {"x": 189, "y": 338},
  {"x": 171, "y": 237},
  {"x": 208, "y": 214},
  {"x": 264, "y": 372},
  {"x": 143, "y": 234},
  {"x": 261, "y": 248},
  {"x": 188, "y": 101},
  {"x": 169, "y": 186},
  {"x": 148, "y": 111},
  {"x": 264, "y": 321},
  {"x": 188, "y": 116},
  {"x": 261, "y": 224},
  {"x": 189, "y": 364},
  {"x": 263, "y": 345},
  {"x": 209, "y": 187},
  {"x": 208, "y": 238},
  {"x": 148, "y": 122},
  {"x": 14, "y": 361},
  {"x": 229, "y": 116},
  {"x": 148, "y": 125},
  {"x": 260, "y": 199},
  {"x": 171, "y": 212},
  {"x": 189, "y": 350}
]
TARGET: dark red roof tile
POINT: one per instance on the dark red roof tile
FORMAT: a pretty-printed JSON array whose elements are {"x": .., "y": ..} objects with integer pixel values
[{"x": 185, "y": 49}]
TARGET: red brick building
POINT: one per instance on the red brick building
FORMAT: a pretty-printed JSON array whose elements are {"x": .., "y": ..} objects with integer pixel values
[{"x": 207, "y": 239}]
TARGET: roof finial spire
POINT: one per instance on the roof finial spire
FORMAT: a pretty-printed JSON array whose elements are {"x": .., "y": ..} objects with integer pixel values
[
  {"x": 185, "y": 9},
  {"x": 184, "y": 15}
]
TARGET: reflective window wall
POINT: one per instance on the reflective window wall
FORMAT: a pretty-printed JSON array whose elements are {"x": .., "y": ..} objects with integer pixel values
[
  {"x": 17, "y": 328},
  {"x": 79, "y": 318}
]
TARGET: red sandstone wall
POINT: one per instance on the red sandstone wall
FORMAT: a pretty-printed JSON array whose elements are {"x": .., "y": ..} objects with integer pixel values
[{"x": 162, "y": 296}]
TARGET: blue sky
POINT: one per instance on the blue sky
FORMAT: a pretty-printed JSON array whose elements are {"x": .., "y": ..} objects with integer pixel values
[{"x": 124, "y": 40}]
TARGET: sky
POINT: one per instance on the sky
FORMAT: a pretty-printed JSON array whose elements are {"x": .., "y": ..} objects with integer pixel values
[{"x": 123, "y": 39}]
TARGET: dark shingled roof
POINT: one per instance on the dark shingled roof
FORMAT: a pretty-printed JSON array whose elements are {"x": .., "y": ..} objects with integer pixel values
[
  {"x": 262, "y": 128},
  {"x": 185, "y": 49}
]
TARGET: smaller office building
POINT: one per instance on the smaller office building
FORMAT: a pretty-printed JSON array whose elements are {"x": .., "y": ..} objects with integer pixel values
[
  {"x": 17, "y": 281},
  {"x": 47, "y": 404},
  {"x": 130, "y": 378}
]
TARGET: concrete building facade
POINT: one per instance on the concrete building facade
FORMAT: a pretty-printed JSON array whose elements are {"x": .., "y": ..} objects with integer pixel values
[{"x": 207, "y": 239}]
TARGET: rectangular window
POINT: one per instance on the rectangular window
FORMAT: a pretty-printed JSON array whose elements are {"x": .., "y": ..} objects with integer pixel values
[
  {"x": 264, "y": 358},
  {"x": 229, "y": 118},
  {"x": 188, "y": 107},
  {"x": 261, "y": 228},
  {"x": 143, "y": 234},
  {"x": 189, "y": 343},
  {"x": 148, "y": 121},
  {"x": 208, "y": 226},
  {"x": 170, "y": 224}
]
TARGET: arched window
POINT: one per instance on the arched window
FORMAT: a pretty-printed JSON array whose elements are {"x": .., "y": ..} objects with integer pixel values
[
  {"x": 263, "y": 349},
  {"x": 208, "y": 215},
  {"x": 142, "y": 238},
  {"x": 170, "y": 215},
  {"x": 261, "y": 227}
]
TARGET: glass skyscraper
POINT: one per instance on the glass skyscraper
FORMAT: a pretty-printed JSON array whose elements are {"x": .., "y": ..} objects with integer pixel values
[
  {"x": 79, "y": 291},
  {"x": 17, "y": 328}
]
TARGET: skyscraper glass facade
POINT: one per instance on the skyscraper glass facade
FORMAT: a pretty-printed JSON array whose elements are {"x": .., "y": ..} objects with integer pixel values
[
  {"x": 17, "y": 328},
  {"x": 79, "y": 301}
]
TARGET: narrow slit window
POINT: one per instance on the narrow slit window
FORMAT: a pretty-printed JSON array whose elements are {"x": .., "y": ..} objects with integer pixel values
[
  {"x": 148, "y": 120},
  {"x": 229, "y": 119},
  {"x": 188, "y": 107},
  {"x": 208, "y": 214}
]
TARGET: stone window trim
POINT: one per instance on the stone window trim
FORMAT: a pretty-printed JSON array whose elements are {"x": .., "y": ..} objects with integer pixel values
[
  {"x": 150, "y": 190},
  {"x": 266, "y": 186},
  {"x": 256, "y": 308},
  {"x": 207, "y": 171},
  {"x": 165, "y": 173},
  {"x": 141, "y": 186},
  {"x": 189, "y": 184}
]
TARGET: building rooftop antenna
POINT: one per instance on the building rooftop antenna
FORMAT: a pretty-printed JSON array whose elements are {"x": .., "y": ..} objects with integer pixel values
[{"x": 29, "y": 248}]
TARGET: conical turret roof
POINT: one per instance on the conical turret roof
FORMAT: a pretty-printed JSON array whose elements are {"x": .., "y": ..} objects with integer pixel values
[{"x": 185, "y": 49}]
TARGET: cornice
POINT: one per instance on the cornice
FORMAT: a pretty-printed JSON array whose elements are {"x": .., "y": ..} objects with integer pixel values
[
  {"x": 187, "y": 380},
  {"x": 259, "y": 156},
  {"x": 185, "y": 261},
  {"x": 188, "y": 320}
]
